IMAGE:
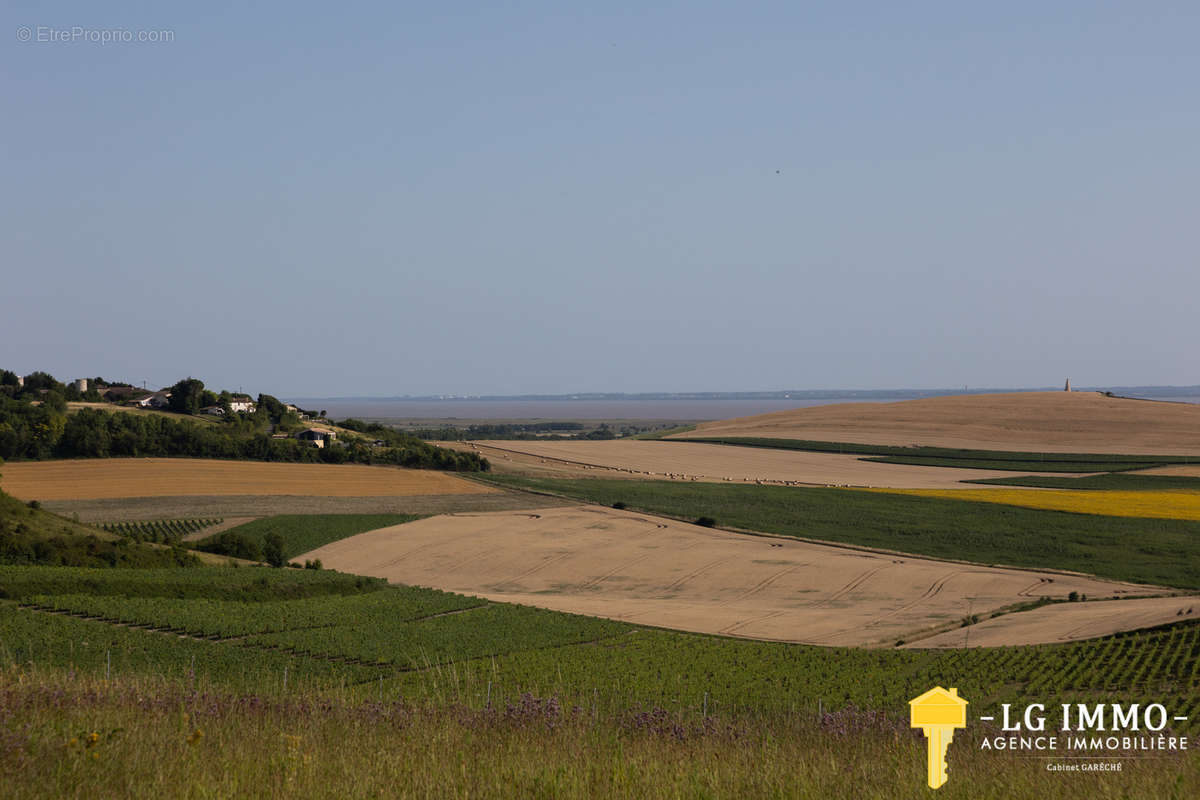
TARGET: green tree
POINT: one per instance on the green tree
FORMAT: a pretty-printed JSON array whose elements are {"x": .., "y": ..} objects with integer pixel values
[
  {"x": 271, "y": 408},
  {"x": 55, "y": 401},
  {"x": 185, "y": 396},
  {"x": 36, "y": 381},
  {"x": 273, "y": 549}
]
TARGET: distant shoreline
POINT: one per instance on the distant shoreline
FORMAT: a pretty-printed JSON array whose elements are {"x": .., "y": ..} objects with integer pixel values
[
  {"x": 1139, "y": 392},
  {"x": 413, "y": 412}
]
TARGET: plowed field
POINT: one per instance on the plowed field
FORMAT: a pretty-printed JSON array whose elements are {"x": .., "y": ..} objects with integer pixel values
[{"x": 1063, "y": 422}]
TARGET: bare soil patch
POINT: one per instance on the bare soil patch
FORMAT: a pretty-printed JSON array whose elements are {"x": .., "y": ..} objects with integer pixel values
[
  {"x": 150, "y": 477},
  {"x": 1064, "y": 622},
  {"x": 1063, "y": 422},
  {"x": 655, "y": 571},
  {"x": 716, "y": 462}
]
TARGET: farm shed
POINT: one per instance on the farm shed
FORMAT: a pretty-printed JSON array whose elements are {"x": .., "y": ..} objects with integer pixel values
[{"x": 318, "y": 436}]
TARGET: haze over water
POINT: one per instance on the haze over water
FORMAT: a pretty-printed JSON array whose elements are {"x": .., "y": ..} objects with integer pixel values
[{"x": 690, "y": 410}]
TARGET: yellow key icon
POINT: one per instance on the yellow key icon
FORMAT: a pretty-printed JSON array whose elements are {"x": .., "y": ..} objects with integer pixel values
[{"x": 937, "y": 713}]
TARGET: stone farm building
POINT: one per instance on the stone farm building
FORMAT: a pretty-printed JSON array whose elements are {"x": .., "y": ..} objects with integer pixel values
[{"x": 318, "y": 436}]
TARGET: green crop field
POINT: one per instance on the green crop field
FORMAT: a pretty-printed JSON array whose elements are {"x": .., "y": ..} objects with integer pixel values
[
  {"x": 304, "y": 532},
  {"x": 1158, "y": 551},
  {"x": 205, "y": 617},
  {"x": 677, "y": 671},
  {"x": 271, "y": 682},
  {"x": 419, "y": 643},
  {"x": 248, "y": 584},
  {"x": 32, "y": 639},
  {"x": 962, "y": 458},
  {"x": 480, "y": 632},
  {"x": 159, "y": 530},
  {"x": 1016, "y": 466},
  {"x": 1120, "y": 481}
]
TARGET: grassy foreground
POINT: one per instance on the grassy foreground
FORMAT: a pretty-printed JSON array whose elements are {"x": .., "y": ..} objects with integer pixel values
[
  {"x": 1159, "y": 551},
  {"x": 62, "y": 736}
]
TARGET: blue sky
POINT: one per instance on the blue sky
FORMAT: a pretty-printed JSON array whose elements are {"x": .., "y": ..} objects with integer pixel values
[{"x": 392, "y": 198}]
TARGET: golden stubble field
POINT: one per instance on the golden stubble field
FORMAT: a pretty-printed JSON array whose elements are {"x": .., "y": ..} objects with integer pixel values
[
  {"x": 97, "y": 479},
  {"x": 657, "y": 460},
  {"x": 655, "y": 571},
  {"x": 1078, "y": 422}
]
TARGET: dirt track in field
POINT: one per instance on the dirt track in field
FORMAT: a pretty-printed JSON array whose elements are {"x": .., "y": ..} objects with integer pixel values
[
  {"x": 157, "y": 477},
  {"x": 1078, "y": 422},
  {"x": 655, "y": 571},
  {"x": 1064, "y": 622},
  {"x": 649, "y": 459}
]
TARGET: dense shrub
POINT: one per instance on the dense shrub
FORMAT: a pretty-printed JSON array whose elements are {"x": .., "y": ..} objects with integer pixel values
[{"x": 233, "y": 544}]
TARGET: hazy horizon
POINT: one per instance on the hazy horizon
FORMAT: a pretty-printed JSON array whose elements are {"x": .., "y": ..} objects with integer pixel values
[
  {"x": 652, "y": 395},
  {"x": 548, "y": 199}
]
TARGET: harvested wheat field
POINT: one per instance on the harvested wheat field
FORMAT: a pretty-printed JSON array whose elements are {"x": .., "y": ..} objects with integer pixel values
[
  {"x": 1178, "y": 470},
  {"x": 1167, "y": 504},
  {"x": 156, "y": 477},
  {"x": 1064, "y": 422},
  {"x": 655, "y": 571},
  {"x": 1063, "y": 622},
  {"x": 717, "y": 462}
]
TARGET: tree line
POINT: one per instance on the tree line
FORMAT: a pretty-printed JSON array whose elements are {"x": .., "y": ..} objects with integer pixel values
[{"x": 34, "y": 424}]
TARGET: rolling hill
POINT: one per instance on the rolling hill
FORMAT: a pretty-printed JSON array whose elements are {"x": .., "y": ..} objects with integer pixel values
[{"x": 1059, "y": 422}]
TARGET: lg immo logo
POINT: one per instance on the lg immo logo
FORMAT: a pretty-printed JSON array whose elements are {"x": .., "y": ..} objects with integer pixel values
[
  {"x": 938, "y": 712},
  {"x": 1106, "y": 733}
]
